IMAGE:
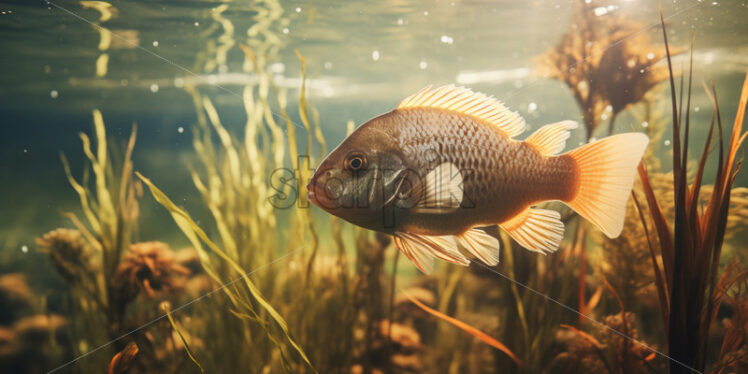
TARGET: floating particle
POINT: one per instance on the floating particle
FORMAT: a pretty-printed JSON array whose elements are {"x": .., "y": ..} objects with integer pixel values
[
  {"x": 587, "y": 1},
  {"x": 285, "y": 30},
  {"x": 178, "y": 82},
  {"x": 604, "y": 117},
  {"x": 298, "y": 10},
  {"x": 650, "y": 55},
  {"x": 609, "y": 108},
  {"x": 180, "y": 129},
  {"x": 696, "y": 109},
  {"x": 423, "y": 65},
  {"x": 645, "y": 124},
  {"x": 667, "y": 143},
  {"x": 400, "y": 21},
  {"x": 426, "y": 13},
  {"x": 155, "y": 43},
  {"x": 328, "y": 65},
  {"x": 25, "y": 249},
  {"x": 154, "y": 88},
  {"x": 197, "y": 24},
  {"x": 53, "y": 94},
  {"x": 47, "y": 69},
  {"x": 375, "y": 55},
  {"x": 532, "y": 106},
  {"x": 123, "y": 82},
  {"x": 447, "y": 39},
  {"x": 25, "y": 150}
]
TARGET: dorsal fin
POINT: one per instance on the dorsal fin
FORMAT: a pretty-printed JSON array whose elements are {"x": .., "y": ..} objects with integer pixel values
[
  {"x": 551, "y": 139},
  {"x": 464, "y": 101}
]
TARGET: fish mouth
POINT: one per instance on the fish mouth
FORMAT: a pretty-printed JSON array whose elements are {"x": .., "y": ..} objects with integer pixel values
[
  {"x": 316, "y": 194},
  {"x": 320, "y": 193}
]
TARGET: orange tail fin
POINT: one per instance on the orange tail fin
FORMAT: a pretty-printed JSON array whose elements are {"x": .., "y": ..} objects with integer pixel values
[{"x": 606, "y": 174}]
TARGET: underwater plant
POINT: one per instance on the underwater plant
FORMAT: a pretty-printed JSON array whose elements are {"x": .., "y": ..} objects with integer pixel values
[
  {"x": 87, "y": 258},
  {"x": 607, "y": 63},
  {"x": 690, "y": 284}
]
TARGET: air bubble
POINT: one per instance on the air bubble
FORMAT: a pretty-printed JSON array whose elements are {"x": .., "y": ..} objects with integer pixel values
[
  {"x": 155, "y": 43},
  {"x": 532, "y": 106},
  {"x": 180, "y": 129},
  {"x": 447, "y": 39}
]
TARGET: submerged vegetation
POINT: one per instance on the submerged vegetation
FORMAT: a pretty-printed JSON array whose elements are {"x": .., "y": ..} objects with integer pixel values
[
  {"x": 607, "y": 63},
  {"x": 267, "y": 286}
]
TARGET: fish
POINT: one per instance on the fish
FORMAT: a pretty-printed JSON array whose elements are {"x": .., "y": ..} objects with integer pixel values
[{"x": 445, "y": 166}]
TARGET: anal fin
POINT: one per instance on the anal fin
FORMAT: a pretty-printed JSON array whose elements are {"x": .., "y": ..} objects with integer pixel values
[
  {"x": 538, "y": 230},
  {"x": 422, "y": 249},
  {"x": 481, "y": 245}
]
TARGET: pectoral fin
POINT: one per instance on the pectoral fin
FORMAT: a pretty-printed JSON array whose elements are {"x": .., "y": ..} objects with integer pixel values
[
  {"x": 440, "y": 191},
  {"x": 421, "y": 250},
  {"x": 481, "y": 245},
  {"x": 538, "y": 230}
]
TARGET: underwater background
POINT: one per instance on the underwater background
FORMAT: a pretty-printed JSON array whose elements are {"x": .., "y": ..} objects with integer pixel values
[{"x": 208, "y": 260}]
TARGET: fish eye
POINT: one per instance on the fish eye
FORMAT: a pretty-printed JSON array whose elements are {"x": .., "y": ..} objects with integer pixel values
[{"x": 355, "y": 162}]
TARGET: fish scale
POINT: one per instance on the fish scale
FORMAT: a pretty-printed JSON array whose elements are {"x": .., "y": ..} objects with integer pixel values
[{"x": 502, "y": 176}]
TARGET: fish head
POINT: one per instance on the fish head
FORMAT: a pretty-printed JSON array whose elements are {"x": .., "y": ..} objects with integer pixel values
[{"x": 357, "y": 179}]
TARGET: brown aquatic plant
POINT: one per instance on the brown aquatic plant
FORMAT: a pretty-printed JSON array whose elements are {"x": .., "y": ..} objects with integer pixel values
[
  {"x": 16, "y": 297},
  {"x": 480, "y": 335},
  {"x": 71, "y": 256},
  {"x": 733, "y": 353},
  {"x": 625, "y": 261},
  {"x": 605, "y": 60},
  {"x": 123, "y": 360},
  {"x": 148, "y": 267},
  {"x": 689, "y": 284},
  {"x": 603, "y": 349}
]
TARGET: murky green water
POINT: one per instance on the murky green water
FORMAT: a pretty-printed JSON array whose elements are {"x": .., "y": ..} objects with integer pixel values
[{"x": 362, "y": 58}]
